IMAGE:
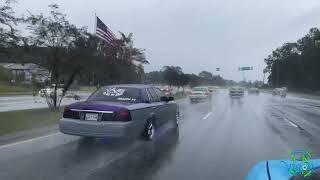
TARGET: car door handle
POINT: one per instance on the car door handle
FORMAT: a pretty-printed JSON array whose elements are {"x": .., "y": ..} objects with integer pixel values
[{"x": 154, "y": 107}]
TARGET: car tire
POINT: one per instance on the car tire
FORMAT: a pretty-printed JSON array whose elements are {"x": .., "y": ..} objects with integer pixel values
[{"x": 149, "y": 131}]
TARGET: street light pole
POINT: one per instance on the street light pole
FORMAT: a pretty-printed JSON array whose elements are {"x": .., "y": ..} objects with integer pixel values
[{"x": 278, "y": 69}]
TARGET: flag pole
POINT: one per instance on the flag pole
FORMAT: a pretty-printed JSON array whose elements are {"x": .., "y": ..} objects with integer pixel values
[{"x": 95, "y": 23}]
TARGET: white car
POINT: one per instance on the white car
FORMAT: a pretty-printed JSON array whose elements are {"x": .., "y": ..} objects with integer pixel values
[
  {"x": 166, "y": 90},
  {"x": 49, "y": 92},
  {"x": 199, "y": 93},
  {"x": 282, "y": 92},
  {"x": 236, "y": 91}
]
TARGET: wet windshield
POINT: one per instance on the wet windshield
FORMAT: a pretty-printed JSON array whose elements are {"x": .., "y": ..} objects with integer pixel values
[{"x": 159, "y": 89}]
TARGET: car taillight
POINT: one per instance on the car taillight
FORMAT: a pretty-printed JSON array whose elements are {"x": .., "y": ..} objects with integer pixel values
[
  {"x": 123, "y": 115},
  {"x": 66, "y": 110},
  {"x": 68, "y": 113}
]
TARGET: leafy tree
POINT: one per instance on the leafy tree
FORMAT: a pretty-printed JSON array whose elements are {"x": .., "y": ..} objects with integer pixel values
[
  {"x": 154, "y": 77},
  {"x": 9, "y": 36},
  {"x": 64, "y": 48},
  {"x": 172, "y": 74},
  {"x": 296, "y": 64},
  {"x": 194, "y": 80},
  {"x": 205, "y": 75}
]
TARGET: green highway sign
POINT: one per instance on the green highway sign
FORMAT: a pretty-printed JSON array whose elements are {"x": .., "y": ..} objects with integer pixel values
[{"x": 245, "y": 68}]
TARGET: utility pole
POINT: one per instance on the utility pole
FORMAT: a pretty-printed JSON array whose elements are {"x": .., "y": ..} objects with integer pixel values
[
  {"x": 278, "y": 69},
  {"x": 264, "y": 75}
]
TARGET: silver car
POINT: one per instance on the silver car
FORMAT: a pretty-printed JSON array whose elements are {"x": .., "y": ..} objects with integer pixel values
[
  {"x": 126, "y": 111},
  {"x": 236, "y": 91},
  {"x": 199, "y": 94}
]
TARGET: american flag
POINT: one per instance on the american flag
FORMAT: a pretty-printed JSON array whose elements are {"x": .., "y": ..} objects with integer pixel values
[{"x": 104, "y": 33}]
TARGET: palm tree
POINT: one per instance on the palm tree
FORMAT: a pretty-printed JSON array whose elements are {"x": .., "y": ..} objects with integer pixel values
[{"x": 128, "y": 53}]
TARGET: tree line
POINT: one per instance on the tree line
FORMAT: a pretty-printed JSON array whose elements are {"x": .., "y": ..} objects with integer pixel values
[
  {"x": 174, "y": 76},
  {"x": 70, "y": 53},
  {"x": 296, "y": 64}
]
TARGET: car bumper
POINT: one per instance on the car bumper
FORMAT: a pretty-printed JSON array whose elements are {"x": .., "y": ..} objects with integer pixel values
[
  {"x": 236, "y": 93},
  {"x": 197, "y": 97},
  {"x": 98, "y": 128}
]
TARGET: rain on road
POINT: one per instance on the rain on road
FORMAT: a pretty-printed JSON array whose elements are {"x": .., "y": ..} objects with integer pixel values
[{"x": 217, "y": 139}]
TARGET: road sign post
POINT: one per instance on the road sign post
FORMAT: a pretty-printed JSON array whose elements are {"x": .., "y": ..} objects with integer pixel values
[{"x": 248, "y": 68}]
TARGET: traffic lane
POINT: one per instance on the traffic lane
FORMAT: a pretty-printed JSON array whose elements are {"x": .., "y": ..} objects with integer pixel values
[
  {"x": 30, "y": 102},
  {"x": 59, "y": 156},
  {"x": 214, "y": 136},
  {"x": 301, "y": 125},
  {"x": 225, "y": 145},
  {"x": 75, "y": 159}
]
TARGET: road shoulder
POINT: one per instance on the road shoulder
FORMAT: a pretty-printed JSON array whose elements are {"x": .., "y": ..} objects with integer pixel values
[{"x": 27, "y": 134}]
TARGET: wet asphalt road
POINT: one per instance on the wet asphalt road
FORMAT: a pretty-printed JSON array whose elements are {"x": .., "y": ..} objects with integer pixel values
[
  {"x": 217, "y": 139},
  {"x": 13, "y": 103}
]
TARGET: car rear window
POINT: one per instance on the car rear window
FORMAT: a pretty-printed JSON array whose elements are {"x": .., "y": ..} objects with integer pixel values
[
  {"x": 199, "y": 89},
  {"x": 117, "y": 94}
]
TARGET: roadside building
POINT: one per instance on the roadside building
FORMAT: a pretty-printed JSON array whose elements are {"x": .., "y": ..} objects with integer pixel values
[{"x": 27, "y": 71}]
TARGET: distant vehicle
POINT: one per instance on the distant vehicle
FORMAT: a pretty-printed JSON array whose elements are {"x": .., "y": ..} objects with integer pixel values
[
  {"x": 49, "y": 91},
  {"x": 253, "y": 91},
  {"x": 236, "y": 91},
  {"x": 72, "y": 95},
  {"x": 212, "y": 89},
  {"x": 166, "y": 90},
  {"x": 282, "y": 92},
  {"x": 199, "y": 94},
  {"x": 126, "y": 111}
]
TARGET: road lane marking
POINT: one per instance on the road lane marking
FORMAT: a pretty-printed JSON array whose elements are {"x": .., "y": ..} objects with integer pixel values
[
  {"x": 291, "y": 123},
  {"x": 28, "y": 140},
  {"x": 206, "y": 116}
]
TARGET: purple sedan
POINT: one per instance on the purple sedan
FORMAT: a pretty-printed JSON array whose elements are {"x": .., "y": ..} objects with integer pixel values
[{"x": 128, "y": 111}]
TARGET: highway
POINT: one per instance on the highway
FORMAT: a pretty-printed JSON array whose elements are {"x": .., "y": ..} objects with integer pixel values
[
  {"x": 23, "y": 102},
  {"x": 218, "y": 139}
]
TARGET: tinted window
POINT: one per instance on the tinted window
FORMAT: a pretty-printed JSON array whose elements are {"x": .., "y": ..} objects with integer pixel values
[
  {"x": 117, "y": 94},
  {"x": 154, "y": 97},
  {"x": 144, "y": 96},
  {"x": 158, "y": 92}
]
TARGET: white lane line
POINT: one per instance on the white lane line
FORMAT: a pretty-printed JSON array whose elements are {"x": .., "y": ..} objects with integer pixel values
[
  {"x": 209, "y": 114},
  {"x": 25, "y": 141},
  {"x": 291, "y": 123}
]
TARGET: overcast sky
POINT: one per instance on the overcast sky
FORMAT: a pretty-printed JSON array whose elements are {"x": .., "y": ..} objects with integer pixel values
[{"x": 197, "y": 34}]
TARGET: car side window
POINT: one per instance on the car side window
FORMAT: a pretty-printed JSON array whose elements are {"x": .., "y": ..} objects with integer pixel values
[
  {"x": 158, "y": 92},
  {"x": 153, "y": 96},
  {"x": 144, "y": 95}
]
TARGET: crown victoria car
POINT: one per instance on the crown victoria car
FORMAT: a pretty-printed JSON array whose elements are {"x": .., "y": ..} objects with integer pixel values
[{"x": 126, "y": 111}]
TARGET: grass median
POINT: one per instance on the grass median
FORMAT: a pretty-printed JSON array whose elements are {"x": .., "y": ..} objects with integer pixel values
[
  {"x": 14, "y": 121},
  {"x": 11, "y": 90}
]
